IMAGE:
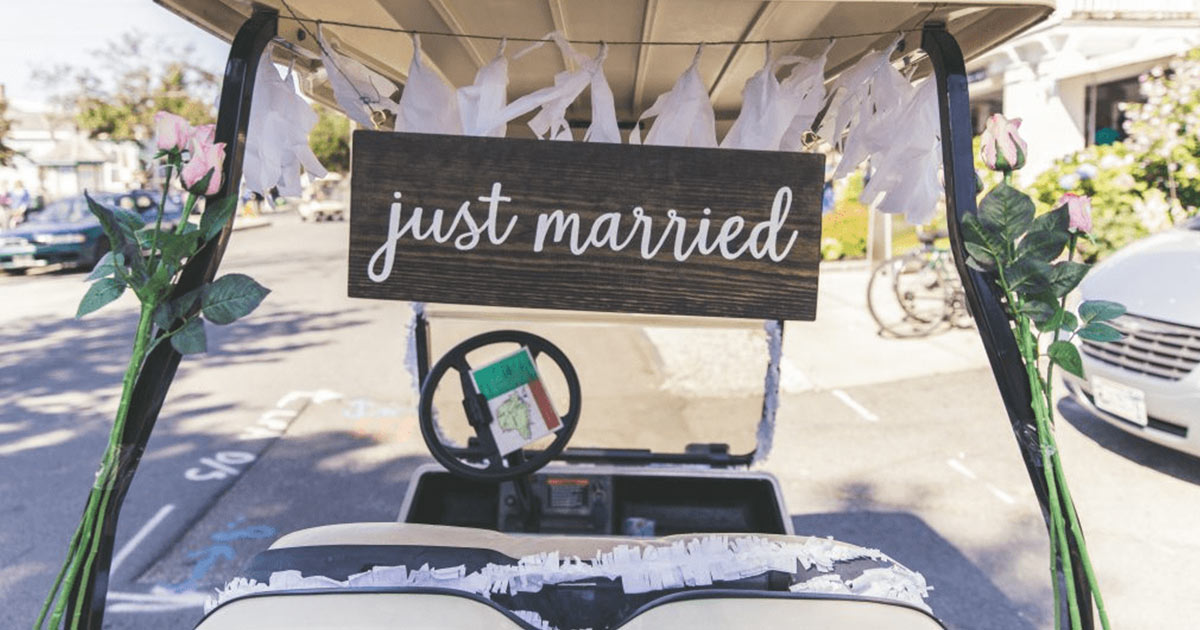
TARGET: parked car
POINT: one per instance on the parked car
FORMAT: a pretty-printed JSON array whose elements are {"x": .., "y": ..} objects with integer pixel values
[
  {"x": 66, "y": 233},
  {"x": 330, "y": 201},
  {"x": 1148, "y": 383}
]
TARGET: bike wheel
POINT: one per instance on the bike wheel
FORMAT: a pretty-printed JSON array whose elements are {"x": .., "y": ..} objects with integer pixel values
[{"x": 906, "y": 296}]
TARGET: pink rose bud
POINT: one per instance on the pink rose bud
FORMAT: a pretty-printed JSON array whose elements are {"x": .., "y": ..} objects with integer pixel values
[
  {"x": 171, "y": 132},
  {"x": 204, "y": 133},
  {"x": 1079, "y": 209},
  {"x": 1000, "y": 146},
  {"x": 205, "y": 157}
]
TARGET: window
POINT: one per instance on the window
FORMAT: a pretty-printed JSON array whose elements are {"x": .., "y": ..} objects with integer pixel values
[{"x": 1106, "y": 121}]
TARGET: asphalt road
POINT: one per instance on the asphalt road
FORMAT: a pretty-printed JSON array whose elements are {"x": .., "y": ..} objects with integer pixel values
[{"x": 302, "y": 414}]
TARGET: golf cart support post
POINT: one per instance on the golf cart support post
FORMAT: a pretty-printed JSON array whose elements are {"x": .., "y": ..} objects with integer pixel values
[{"x": 959, "y": 177}]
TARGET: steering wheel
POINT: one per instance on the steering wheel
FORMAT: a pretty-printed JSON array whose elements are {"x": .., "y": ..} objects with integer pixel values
[{"x": 498, "y": 467}]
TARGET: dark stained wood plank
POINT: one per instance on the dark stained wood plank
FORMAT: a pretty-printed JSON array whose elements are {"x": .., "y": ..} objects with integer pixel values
[{"x": 455, "y": 260}]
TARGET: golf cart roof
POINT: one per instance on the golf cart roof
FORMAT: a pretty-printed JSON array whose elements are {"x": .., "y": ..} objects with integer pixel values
[{"x": 637, "y": 74}]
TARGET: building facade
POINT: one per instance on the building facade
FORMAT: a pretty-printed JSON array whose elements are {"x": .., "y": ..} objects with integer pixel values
[{"x": 1066, "y": 78}]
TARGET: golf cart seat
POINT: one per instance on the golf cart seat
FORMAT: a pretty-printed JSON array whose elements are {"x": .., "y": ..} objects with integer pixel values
[{"x": 338, "y": 552}]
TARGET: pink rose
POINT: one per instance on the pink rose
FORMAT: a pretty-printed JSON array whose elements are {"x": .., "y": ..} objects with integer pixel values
[
  {"x": 171, "y": 132},
  {"x": 1079, "y": 209},
  {"x": 204, "y": 133},
  {"x": 1000, "y": 146},
  {"x": 204, "y": 158}
]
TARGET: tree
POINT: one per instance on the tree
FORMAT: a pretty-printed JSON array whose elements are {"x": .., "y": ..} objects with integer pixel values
[
  {"x": 134, "y": 76},
  {"x": 330, "y": 139},
  {"x": 6, "y": 152}
]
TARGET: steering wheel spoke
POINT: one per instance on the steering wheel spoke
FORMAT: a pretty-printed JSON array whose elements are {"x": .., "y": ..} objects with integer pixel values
[{"x": 497, "y": 467}]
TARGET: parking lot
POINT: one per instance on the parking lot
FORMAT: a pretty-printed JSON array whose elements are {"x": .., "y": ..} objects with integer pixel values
[{"x": 303, "y": 414}]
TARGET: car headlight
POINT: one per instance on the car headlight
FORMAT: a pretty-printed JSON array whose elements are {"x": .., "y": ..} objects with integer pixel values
[{"x": 58, "y": 239}]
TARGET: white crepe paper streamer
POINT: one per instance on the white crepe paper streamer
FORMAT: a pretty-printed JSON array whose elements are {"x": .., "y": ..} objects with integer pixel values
[
  {"x": 532, "y": 618},
  {"x": 683, "y": 116},
  {"x": 770, "y": 108},
  {"x": 428, "y": 104},
  {"x": 357, "y": 89},
  {"x": 551, "y": 120},
  {"x": 868, "y": 90},
  {"x": 641, "y": 569},
  {"x": 807, "y": 85},
  {"x": 904, "y": 176},
  {"x": 766, "y": 425},
  {"x": 277, "y": 138},
  {"x": 481, "y": 103}
]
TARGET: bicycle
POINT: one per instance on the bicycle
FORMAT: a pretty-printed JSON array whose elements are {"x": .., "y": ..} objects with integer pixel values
[{"x": 918, "y": 292}]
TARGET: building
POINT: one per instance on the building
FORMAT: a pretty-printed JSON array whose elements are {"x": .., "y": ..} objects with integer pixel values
[
  {"x": 1066, "y": 77},
  {"x": 54, "y": 159}
]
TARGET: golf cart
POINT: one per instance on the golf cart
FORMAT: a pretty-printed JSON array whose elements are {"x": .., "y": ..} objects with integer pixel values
[{"x": 512, "y": 528}]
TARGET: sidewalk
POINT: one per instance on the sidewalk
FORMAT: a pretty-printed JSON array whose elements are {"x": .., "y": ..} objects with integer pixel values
[{"x": 843, "y": 348}]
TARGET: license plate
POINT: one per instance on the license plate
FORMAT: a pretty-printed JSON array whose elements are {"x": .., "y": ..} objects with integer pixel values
[{"x": 1120, "y": 400}]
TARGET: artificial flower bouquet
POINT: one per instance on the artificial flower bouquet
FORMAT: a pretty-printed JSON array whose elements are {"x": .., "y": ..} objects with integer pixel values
[
  {"x": 147, "y": 260},
  {"x": 1030, "y": 258}
]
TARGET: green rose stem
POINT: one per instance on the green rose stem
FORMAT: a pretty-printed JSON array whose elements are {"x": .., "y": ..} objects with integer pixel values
[
  {"x": 1058, "y": 539},
  {"x": 86, "y": 541},
  {"x": 1060, "y": 475}
]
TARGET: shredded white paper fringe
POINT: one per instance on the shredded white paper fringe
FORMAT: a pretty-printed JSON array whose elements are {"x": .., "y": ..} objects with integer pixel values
[
  {"x": 641, "y": 569},
  {"x": 766, "y": 425}
]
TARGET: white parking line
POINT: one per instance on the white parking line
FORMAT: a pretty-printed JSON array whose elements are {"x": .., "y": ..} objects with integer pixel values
[
  {"x": 1002, "y": 495},
  {"x": 140, "y": 536},
  {"x": 961, "y": 468},
  {"x": 862, "y": 411}
]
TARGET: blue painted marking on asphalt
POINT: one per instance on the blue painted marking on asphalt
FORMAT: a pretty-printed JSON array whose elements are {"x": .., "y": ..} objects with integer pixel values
[{"x": 209, "y": 556}]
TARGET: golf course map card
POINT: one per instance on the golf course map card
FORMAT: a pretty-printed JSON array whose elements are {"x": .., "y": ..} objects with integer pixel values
[{"x": 521, "y": 410}]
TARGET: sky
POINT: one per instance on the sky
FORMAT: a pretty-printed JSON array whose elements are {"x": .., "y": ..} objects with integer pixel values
[{"x": 46, "y": 32}]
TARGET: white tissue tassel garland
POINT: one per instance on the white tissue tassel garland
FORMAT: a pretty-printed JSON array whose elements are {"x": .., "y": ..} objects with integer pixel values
[
  {"x": 277, "y": 138},
  {"x": 904, "y": 177},
  {"x": 357, "y": 89},
  {"x": 641, "y": 569},
  {"x": 683, "y": 115}
]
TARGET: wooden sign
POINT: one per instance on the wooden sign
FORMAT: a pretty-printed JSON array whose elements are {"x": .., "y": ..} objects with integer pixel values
[{"x": 583, "y": 226}]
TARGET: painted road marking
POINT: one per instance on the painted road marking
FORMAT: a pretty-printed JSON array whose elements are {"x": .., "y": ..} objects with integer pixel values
[
  {"x": 141, "y": 534},
  {"x": 218, "y": 466},
  {"x": 962, "y": 469},
  {"x": 862, "y": 411},
  {"x": 1002, "y": 495}
]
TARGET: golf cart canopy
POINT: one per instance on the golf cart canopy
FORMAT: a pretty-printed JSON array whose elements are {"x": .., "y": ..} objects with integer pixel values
[{"x": 637, "y": 74}]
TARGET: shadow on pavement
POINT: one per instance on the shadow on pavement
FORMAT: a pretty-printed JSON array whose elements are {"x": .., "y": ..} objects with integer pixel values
[
  {"x": 1149, "y": 454},
  {"x": 963, "y": 596}
]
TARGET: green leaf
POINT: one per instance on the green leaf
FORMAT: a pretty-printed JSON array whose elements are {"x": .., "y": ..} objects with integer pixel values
[
  {"x": 1040, "y": 312},
  {"x": 1100, "y": 311},
  {"x": 1056, "y": 220},
  {"x": 121, "y": 239},
  {"x": 1044, "y": 246},
  {"x": 164, "y": 315},
  {"x": 216, "y": 216},
  {"x": 131, "y": 220},
  {"x": 1028, "y": 276},
  {"x": 1006, "y": 212},
  {"x": 191, "y": 338},
  {"x": 176, "y": 247},
  {"x": 975, "y": 232},
  {"x": 1099, "y": 331},
  {"x": 981, "y": 255},
  {"x": 106, "y": 266},
  {"x": 184, "y": 304},
  {"x": 231, "y": 297},
  {"x": 1066, "y": 275},
  {"x": 101, "y": 292},
  {"x": 972, "y": 263},
  {"x": 1065, "y": 354}
]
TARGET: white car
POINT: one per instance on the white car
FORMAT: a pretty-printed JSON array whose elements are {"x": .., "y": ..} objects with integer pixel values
[{"x": 1149, "y": 382}]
